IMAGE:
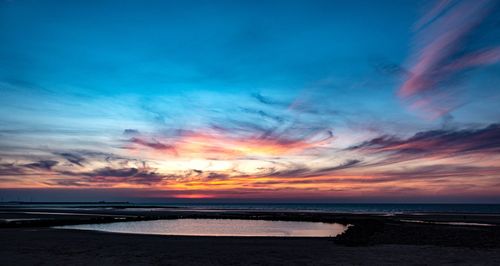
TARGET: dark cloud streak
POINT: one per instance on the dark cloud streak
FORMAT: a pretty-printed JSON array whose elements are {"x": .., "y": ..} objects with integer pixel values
[
  {"x": 42, "y": 164},
  {"x": 72, "y": 158},
  {"x": 438, "y": 142}
]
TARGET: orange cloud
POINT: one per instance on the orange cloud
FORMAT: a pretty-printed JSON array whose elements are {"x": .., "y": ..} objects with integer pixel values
[{"x": 216, "y": 144}]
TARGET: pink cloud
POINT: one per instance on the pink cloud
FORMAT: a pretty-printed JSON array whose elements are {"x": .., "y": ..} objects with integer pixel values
[{"x": 444, "y": 48}]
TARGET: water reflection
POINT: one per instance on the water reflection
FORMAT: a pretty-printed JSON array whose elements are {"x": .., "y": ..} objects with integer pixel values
[{"x": 218, "y": 227}]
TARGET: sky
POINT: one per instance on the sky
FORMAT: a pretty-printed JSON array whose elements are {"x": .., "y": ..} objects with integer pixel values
[{"x": 280, "y": 101}]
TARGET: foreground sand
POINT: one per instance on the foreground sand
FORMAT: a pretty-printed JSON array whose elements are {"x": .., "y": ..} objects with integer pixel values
[
  {"x": 45, "y": 246},
  {"x": 373, "y": 240}
]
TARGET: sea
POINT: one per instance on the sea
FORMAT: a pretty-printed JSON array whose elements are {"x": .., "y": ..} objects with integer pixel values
[
  {"x": 351, "y": 207},
  {"x": 380, "y": 208}
]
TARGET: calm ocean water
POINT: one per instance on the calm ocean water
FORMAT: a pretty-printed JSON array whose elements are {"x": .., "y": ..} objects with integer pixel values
[
  {"x": 353, "y": 208},
  {"x": 316, "y": 207}
]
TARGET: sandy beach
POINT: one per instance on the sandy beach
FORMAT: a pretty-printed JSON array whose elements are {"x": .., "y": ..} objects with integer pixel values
[
  {"x": 404, "y": 239},
  {"x": 42, "y": 246}
]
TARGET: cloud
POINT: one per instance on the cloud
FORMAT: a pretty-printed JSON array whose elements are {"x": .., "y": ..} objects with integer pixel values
[
  {"x": 303, "y": 172},
  {"x": 131, "y": 132},
  {"x": 264, "y": 114},
  {"x": 72, "y": 158},
  {"x": 10, "y": 169},
  {"x": 238, "y": 139},
  {"x": 66, "y": 182},
  {"x": 310, "y": 102},
  {"x": 445, "y": 173},
  {"x": 440, "y": 174},
  {"x": 154, "y": 144},
  {"x": 268, "y": 101},
  {"x": 217, "y": 176},
  {"x": 42, "y": 164},
  {"x": 452, "y": 37},
  {"x": 110, "y": 175},
  {"x": 107, "y": 171},
  {"x": 347, "y": 164},
  {"x": 445, "y": 142}
]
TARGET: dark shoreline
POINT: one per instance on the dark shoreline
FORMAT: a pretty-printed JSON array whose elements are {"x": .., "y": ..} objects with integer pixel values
[
  {"x": 371, "y": 234},
  {"x": 367, "y": 229}
]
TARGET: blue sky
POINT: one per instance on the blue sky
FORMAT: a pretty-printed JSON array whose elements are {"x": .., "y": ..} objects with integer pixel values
[
  {"x": 161, "y": 86},
  {"x": 166, "y": 47}
]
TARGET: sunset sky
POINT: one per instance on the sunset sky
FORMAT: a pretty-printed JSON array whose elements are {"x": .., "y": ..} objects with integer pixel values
[{"x": 348, "y": 101}]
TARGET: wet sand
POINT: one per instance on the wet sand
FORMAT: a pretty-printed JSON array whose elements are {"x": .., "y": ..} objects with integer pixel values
[
  {"x": 373, "y": 240},
  {"x": 43, "y": 246}
]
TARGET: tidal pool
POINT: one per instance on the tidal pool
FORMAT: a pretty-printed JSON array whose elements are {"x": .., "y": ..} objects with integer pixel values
[{"x": 218, "y": 227}]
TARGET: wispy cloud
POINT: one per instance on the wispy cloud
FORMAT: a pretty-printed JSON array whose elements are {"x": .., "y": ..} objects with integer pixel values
[
  {"x": 72, "y": 158},
  {"x": 10, "y": 169},
  {"x": 451, "y": 37},
  {"x": 238, "y": 139},
  {"x": 269, "y": 101},
  {"x": 109, "y": 176},
  {"x": 437, "y": 143},
  {"x": 302, "y": 172},
  {"x": 42, "y": 164},
  {"x": 153, "y": 144}
]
